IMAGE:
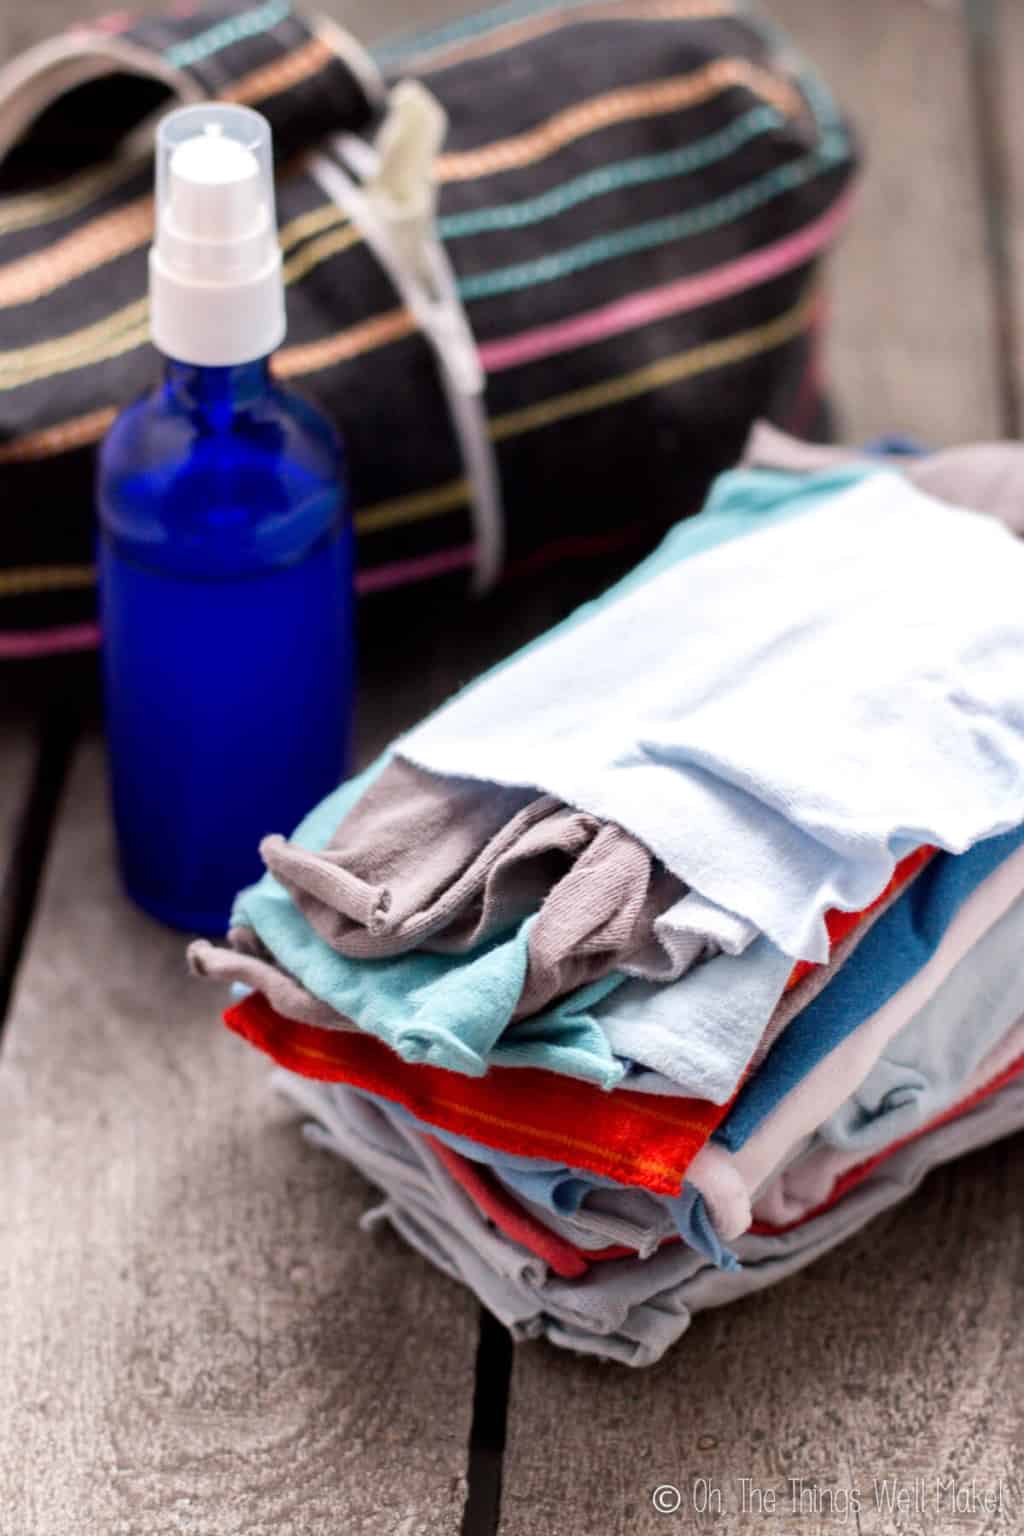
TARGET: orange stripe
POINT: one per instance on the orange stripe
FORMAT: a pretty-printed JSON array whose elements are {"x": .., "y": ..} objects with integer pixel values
[
  {"x": 311, "y": 355},
  {"x": 548, "y": 1138},
  {"x": 102, "y": 239},
  {"x": 619, "y": 106},
  {"x": 280, "y": 76},
  {"x": 78, "y": 432}
]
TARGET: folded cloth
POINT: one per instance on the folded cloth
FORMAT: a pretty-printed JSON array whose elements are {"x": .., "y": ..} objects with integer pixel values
[
  {"x": 976, "y": 965},
  {"x": 629, "y": 1310},
  {"x": 455, "y": 1013},
  {"x": 719, "y": 1021},
  {"x": 291, "y": 1000},
  {"x": 926, "y": 1065},
  {"x": 903, "y": 959},
  {"x": 601, "y": 909},
  {"x": 629, "y": 1218},
  {"x": 672, "y": 731},
  {"x": 762, "y": 1139},
  {"x": 824, "y": 1174},
  {"x": 634, "y": 1138},
  {"x": 421, "y": 864},
  {"x": 651, "y": 1140},
  {"x": 561, "y": 1257}
]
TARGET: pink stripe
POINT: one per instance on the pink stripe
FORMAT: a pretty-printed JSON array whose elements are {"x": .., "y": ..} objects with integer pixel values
[
  {"x": 671, "y": 299},
  {"x": 20, "y": 644},
  {"x": 49, "y": 642},
  {"x": 420, "y": 569}
]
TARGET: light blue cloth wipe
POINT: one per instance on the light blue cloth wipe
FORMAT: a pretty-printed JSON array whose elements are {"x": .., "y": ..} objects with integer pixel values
[
  {"x": 701, "y": 1030},
  {"x": 454, "y": 1011},
  {"x": 781, "y": 718}
]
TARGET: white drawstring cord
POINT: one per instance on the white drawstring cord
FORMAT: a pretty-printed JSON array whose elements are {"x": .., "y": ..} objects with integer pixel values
[{"x": 393, "y": 206}]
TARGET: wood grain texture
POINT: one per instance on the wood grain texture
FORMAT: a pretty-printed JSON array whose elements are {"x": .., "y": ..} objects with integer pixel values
[
  {"x": 1008, "y": 42},
  {"x": 898, "y": 1356},
  {"x": 194, "y": 1337},
  {"x": 912, "y": 338}
]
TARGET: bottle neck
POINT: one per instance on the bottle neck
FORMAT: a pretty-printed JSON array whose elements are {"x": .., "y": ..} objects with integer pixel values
[{"x": 214, "y": 397}]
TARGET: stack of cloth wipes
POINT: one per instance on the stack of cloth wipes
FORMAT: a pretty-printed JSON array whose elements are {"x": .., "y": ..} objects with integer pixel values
[{"x": 669, "y": 952}]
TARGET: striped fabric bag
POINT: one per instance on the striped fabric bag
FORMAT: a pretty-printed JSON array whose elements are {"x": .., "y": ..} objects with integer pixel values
[{"x": 544, "y": 267}]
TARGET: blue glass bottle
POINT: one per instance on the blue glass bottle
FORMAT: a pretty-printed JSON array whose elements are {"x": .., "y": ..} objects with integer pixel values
[{"x": 225, "y": 567}]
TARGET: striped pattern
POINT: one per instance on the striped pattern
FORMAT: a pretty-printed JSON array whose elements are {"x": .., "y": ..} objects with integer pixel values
[
  {"x": 593, "y": 225},
  {"x": 129, "y": 328},
  {"x": 612, "y": 178},
  {"x": 660, "y": 375},
  {"x": 125, "y": 229},
  {"x": 274, "y": 79},
  {"x": 543, "y": 26},
  {"x": 623, "y": 106},
  {"x": 79, "y": 191},
  {"x": 225, "y": 33},
  {"x": 508, "y": 26}
]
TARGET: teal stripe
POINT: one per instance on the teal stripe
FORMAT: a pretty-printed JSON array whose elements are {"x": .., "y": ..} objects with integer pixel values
[
  {"x": 478, "y": 24},
  {"x": 467, "y": 26},
  {"x": 612, "y": 178},
  {"x": 234, "y": 30},
  {"x": 656, "y": 232}
]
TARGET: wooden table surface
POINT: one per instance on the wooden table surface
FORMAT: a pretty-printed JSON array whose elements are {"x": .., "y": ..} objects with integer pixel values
[{"x": 195, "y": 1337}]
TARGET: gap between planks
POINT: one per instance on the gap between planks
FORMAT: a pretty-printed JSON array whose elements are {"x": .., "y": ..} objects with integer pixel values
[{"x": 46, "y": 740}]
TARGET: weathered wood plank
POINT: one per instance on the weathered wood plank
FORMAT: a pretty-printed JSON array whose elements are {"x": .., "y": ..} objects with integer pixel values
[
  {"x": 898, "y": 1355},
  {"x": 26, "y": 804},
  {"x": 912, "y": 343},
  {"x": 1007, "y": 19},
  {"x": 193, "y": 1334}
]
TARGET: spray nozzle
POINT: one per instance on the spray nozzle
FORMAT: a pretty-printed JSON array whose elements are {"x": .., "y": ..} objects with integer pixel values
[{"x": 215, "y": 266}]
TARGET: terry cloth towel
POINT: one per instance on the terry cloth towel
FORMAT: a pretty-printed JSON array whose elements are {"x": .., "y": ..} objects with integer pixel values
[
  {"x": 629, "y": 1310},
  {"x": 635, "y": 1138},
  {"x": 432, "y": 1006},
  {"x": 633, "y": 204},
  {"x": 670, "y": 727}
]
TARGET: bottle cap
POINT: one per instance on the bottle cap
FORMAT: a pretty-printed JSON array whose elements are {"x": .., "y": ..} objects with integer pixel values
[{"x": 216, "y": 291}]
